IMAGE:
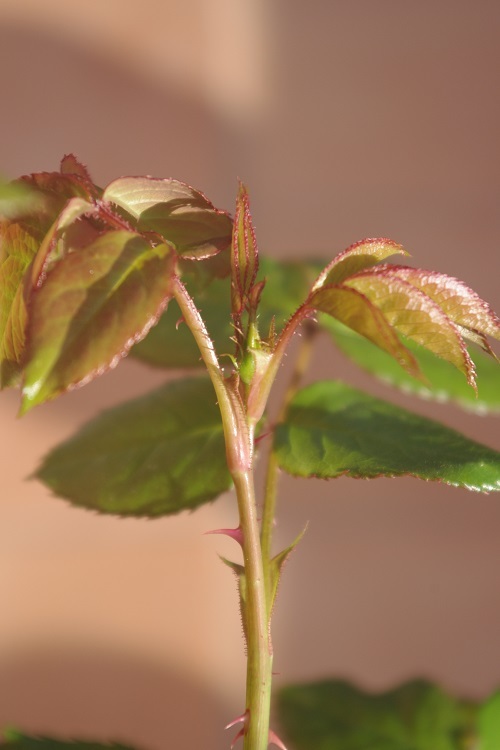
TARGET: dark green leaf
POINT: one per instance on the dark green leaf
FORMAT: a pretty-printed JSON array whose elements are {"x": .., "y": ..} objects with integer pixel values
[
  {"x": 14, "y": 740},
  {"x": 287, "y": 287},
  {"x": 444, "y": 382},
  {"x": 333, "y": 430},
  {"x": 93, "y": 306},
  {"x": 160, "y": 454},
  {"x": 489, "y": 724},
  {"x": 337, "y": 716},
  {"x": 184, "y": 217}
]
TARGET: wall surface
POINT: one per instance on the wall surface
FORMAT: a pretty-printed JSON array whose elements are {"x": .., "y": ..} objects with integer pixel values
[{"x": 345, "y": 120}]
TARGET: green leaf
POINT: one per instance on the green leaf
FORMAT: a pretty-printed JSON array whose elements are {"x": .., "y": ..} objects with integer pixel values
[
  {"x": 489, "y": 724},
  {"x": 18, "y": 250},
  {"x": 337, "y": 716},
  {"x": 169, "y": 345},
  {"x": 443, "y": 381},
  {"x": 14, "y": 740},
  {"x": 17, "y": 199},
  {"x": 276, "y": 565},
  {"x": 94, "y": 304},
  {"x": 156, "y": 455},
  {"x": 332, "y": 430},
  {"x": 184, "y": 217}
]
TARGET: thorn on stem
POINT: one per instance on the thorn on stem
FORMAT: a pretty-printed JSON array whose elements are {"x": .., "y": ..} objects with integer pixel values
[
  {"x": 275, "y": 740},
  {"x": 236, "y": 534}
]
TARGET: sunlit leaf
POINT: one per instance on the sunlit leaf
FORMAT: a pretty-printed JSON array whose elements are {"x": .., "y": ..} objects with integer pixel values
[
  {"x": 361, "y": 255},
  {"x": 184, "y": 217},
  {"x": 14, "y": 740},
  {"x": 333, "y": 430},
  {"x": 337, "y": 716},
  {"x": 460, "y": 303},
  {"x": 443, "y": 382},
  {"x": 18, "y": 248},
  {"x": 156, "y": 455},
  {"x": 92, "y": 307},
  {"x": 415, "y": 315},
  {"x": 357, "y": 311}
]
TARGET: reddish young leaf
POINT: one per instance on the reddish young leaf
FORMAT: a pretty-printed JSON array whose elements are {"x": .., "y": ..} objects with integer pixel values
[
  {"x": 183, "y": 217},
  {"x": 94, "y": 304},
  {"x": 244, "y": 254},
  {"x": 18, "y": 247},
  {"x": 460, "y": 303},
  {"x": 356, "y": 310},
  {"x": 412, "y": 313},
  {"x": 361, "y": 255}
]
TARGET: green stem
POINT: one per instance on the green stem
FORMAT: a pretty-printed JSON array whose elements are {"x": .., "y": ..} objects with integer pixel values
[
  {"x": 272, "y": 469},
  {"x": 259, "y": 652},
  {"x": 239, "y": 442}
]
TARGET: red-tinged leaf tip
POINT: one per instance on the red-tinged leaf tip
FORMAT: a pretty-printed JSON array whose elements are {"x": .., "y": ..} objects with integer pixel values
[
  {"x": 71, "y": 165},
  {"x": 236, "y": 534},
  {"x": 275, "y": 740},
  {"x": 238, "y": 720},
  {"x": 360, "y": 255}
]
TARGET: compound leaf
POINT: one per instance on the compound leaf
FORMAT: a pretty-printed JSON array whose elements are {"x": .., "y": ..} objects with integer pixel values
[
  {"x": 332, "y": 430},
  {"x": 154, "y": 456}
]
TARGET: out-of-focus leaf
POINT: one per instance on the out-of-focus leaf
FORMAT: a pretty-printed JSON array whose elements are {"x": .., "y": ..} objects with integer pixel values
[
  {"x": 333, "y": 430},
  {"x": 17, "y": 199},
  {"x": 184, "y": 217},
  {"x": 489, "y": 724},
  {"x": 287, "y": 287},
  {"x": 337, "y": 716},
  {"x": 92, "y": 307},
  {"x": 18, "y": 248},
  {"x": 14, "y": 740},
  {"x": 361, "y": 255},
  {"x": 156, "y": 455},
  {"x": 443, "y": 381}
]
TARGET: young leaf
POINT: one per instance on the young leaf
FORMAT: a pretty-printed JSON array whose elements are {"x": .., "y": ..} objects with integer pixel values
[
  {"x": 333, "y": 430},
  {"x": 443, "y": 381},
  {"x": 337, "y": 716},
  {"x": 92, "y": 307},
  {"x": 14, "y": 740},
  {"x": 381, "y": 302},
  {"x": 357, "y": 257},
  {"x": 276, "y": 567},
  {"x": 154, "y": 456},
  {"x": 184, "y": 217},
  {"x": 18, "y": 249},
  {"x": 244, "y": 256}
]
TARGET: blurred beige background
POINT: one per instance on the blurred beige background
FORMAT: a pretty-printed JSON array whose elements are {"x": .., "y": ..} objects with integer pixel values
[{"x": 346, "y": 120}]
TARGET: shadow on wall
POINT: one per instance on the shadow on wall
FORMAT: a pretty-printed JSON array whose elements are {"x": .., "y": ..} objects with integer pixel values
[
  {"x": 92, "y": 695},
  {"x": 57, "y": 99}
]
